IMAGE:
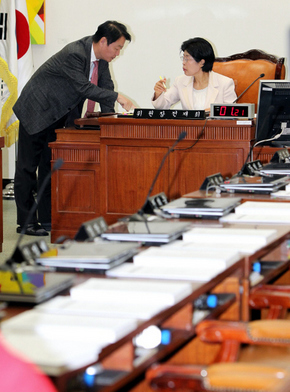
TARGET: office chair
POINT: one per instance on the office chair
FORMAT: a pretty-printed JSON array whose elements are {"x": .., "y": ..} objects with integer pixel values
[
  {"x": 275, "y": 298},
  {"x": 225, "y": 375},
  {"x": 262, "y": 363},
  {"x": 245, "y": 67},
  {"x": 220, "y": 377}
]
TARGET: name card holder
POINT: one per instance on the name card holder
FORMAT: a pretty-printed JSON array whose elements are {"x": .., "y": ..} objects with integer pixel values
[
  {"x": 91, "y": 229},
  {"x": 252, "y": 167},
  {"x": 281, "y": 156},
  {"x": 213, "y": 180},
  {"x": 154, "y": 202},
  {"x": 169, "y": 114},
  {"x": 29, "y": 251}
]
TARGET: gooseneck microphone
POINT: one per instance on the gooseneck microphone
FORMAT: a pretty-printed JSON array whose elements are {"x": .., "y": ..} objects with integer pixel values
[
  {"x": 58, "y": 163},
  {"x": 259, "y": 77},
  {"x": 140, "y": 213}
]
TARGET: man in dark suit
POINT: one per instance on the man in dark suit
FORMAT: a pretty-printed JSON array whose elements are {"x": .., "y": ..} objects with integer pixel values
[{"x": 53, "y": 98}]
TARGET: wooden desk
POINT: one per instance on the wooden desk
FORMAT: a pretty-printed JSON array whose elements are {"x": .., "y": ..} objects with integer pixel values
[
  {"x": 184, "y": 346},
  {"x": 115, "y": 183},
  {"x": 2, "y": 143},
  {"x": 75, "y": 187}
]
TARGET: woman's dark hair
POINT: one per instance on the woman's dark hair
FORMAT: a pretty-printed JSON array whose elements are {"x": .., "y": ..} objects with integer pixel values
[
  {"x": 200, "y": 49},
  {"x": 112, "y": 30}
]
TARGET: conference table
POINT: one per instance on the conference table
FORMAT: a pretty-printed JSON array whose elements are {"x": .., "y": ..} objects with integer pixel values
[
  {"x": 122, "y": 358},
  {"x": 109, "y": 166}
]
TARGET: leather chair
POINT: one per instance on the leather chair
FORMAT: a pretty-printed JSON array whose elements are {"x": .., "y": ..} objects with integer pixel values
[
  {"x": 274, "y": 298},
  {"x": 245, "y": 67},
  {"x": 220, "y": 377},
  {"x": 236, "y": 376}
]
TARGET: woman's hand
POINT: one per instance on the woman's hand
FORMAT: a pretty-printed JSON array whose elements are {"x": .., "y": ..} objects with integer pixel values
[{"x": 159, "y": 88}]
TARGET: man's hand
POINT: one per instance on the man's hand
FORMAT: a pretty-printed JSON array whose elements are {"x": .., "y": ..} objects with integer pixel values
[{"x": 125, "y": 102}]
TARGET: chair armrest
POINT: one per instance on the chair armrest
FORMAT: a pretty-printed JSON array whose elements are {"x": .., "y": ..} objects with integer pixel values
[
  {"x": 271, "y": 332},
  {"x": 276, "y": 298},
  {"x": 175, "y": 377},
  {"x": 221, "y": 376}
]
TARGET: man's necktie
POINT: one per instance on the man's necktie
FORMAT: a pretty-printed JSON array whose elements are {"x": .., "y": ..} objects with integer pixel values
[{"x": 94, "y": 79}]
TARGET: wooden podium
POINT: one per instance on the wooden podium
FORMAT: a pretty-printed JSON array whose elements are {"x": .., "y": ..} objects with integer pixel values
[{"x": 109, "y": 172}]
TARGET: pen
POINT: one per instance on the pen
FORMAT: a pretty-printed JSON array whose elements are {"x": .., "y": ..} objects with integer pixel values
[{"x": 161, "y": 78}]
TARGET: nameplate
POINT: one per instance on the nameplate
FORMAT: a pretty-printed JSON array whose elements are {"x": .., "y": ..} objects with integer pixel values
[{"x": 169, "y": 114}]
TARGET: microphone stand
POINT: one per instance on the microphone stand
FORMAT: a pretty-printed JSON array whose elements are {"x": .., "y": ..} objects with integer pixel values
[
  {"x": 9, "y": 263},
  {"x": 259, "y": 77},
  {"x": 140, "y": 213}
]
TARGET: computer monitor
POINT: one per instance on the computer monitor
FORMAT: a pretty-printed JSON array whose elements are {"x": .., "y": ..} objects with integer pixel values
[{"x": 273, "y": 114}]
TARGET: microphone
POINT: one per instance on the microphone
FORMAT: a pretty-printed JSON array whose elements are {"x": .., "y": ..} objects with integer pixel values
[
  {"x": 139, "y": 214},
  {"x": 259, "y": 77},
  {"x": 55, "y": 167}
]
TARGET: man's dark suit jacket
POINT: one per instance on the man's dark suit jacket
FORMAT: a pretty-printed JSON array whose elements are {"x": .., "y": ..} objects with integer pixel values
[{"x": 61, "y": 85}]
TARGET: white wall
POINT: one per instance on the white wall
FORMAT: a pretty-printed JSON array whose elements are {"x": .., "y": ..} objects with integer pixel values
[{"x": 158, "y": 28}]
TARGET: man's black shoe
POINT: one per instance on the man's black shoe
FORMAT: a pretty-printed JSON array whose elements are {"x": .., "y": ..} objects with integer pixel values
[
  {"x": 46, "y": 226},
  {"x": 33, "y": 229}
]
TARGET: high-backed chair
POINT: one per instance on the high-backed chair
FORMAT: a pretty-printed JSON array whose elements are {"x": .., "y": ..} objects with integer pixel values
[{"x": 245, "y": 67}]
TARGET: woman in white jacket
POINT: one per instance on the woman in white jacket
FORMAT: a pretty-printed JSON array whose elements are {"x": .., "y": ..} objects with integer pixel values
[{"x": 199, "y": 86}]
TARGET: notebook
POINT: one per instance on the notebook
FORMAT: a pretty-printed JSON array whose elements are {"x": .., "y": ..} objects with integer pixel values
[
  {"x": 209, "y": 208},
  {"x": 98, "y": 255},
  {"x": 37, "y": 286},
  {"x": 251, "y": 184},
  {"x": 157, "y": 232}
]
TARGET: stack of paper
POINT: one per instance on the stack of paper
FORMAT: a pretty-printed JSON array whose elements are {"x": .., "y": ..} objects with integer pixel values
[
  {"x": 68, "y": 332},
  {"x": 180, "y": 264},
  {"x": 119, "y": 298},
  {"x": 244, "y": 240},
  {"x": 124, "y": 291},
  {"x": 58, "y": 342},
  {"x": 260, "y": 212}
]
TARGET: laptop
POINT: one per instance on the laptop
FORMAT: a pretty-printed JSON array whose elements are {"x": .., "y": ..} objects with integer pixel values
[
  {"x": 208, "y": 208},
  {"x": 88, "y": 256},
  {"x": 32, "y": 286}
]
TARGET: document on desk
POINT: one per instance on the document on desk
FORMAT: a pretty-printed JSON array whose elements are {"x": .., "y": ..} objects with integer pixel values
[
  {"x": 53, "y": 356},
  {"x": 97, "y": 330},
  {"x": 230, "y": 236},
  {"x": 182, "y": 264},
  {"x": 119, "y": 298},
  {"x": 260, "y": 212},
  {"x": 57, "y": 342},
  {"x": 122, "y": 291}
]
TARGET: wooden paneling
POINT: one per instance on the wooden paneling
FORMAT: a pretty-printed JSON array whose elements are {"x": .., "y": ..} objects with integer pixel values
[
  {"x": 132, "y": 150},
  {"x": 109, "y": 172},
  {"x": 76, "y": 185}
]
